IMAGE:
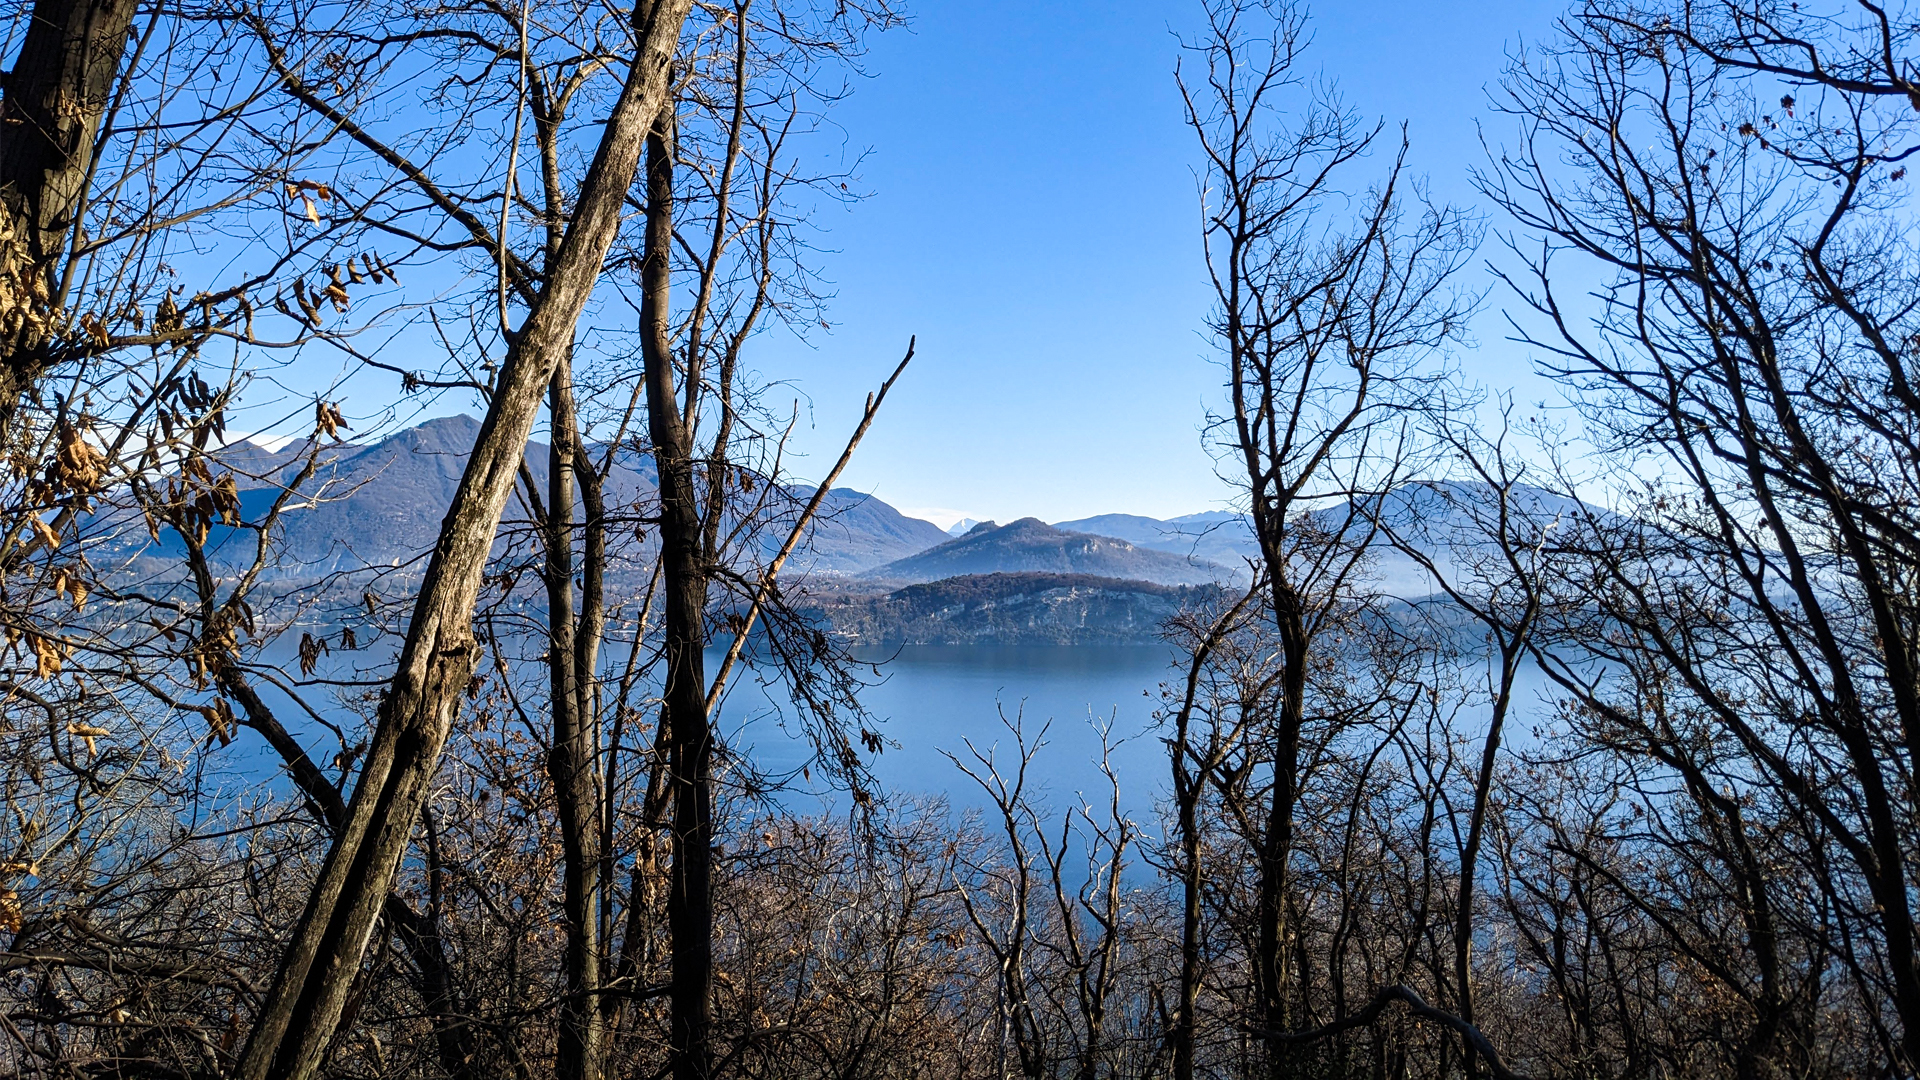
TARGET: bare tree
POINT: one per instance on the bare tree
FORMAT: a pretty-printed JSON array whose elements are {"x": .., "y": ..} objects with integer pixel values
[
  {"x": 1324, "y": 327},
  {"x": 1481, "y": 541},
  {"x": 1057, "y": 934},
  {"x": 1732, "y": 173},
  {"x": 437, "y": 660},
  {"x": 1228, "y": 708},
  {"x": 61, "y": 87}
]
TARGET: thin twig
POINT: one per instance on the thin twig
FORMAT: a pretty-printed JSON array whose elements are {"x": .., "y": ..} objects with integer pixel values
[{"x": 799, "y": 529}]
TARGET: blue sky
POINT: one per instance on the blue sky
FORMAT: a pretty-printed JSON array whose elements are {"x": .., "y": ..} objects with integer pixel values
[{"x": 1034, "y": 220}]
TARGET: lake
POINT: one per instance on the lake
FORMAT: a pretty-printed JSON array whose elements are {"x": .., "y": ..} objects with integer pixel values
[
  {"x": 934, "y": 698},
  {"x": 930, "y": 700}
]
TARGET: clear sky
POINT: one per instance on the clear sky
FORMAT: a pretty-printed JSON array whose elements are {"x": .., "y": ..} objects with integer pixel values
[{"x": 1034, "y": 220}]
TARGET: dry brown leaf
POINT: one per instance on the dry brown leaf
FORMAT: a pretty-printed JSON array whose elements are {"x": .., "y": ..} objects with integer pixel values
[
  {"x": 88, "y": 733},
  {"x": 45, "y": 532}
]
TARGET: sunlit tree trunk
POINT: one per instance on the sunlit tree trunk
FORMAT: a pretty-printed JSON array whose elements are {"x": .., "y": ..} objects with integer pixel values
[
  {"x": 301, "y": 1012},
  {"x": 573, "y": 759}
]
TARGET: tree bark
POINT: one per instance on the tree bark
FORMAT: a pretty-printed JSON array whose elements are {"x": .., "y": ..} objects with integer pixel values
[
  {"x": 1276, "y": 849},
  {"x": 572, "y": 762},
  {"x": 302, "y": 1011},
  {"x": 684, "y": 576},
  {"x": 419, "y": 933},
  {"x": 50, "y": 116}
]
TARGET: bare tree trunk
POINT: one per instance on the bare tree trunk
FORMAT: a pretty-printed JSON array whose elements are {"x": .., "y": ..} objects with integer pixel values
[
  {"x": 684, "y": 575},
  {"x": 50, "y": 117},
  {"x": 1187, "y": 793},
  {"x": 300, "y": 1014},
  {"x": 419, "y": 933},
  {"x": 573, "y": 759},
  {"x": 1276, "y": 850},
  {"x": 1510, "y": 656},
  {"x": 1189, "y": 784}
]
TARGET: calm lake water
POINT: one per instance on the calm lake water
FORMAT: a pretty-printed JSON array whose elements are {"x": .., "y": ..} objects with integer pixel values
[
  {"x": 927, "y": 699},
  {"x": 932, "y": 699}
]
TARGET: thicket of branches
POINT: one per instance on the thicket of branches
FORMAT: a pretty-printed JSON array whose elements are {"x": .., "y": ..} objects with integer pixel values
[{"x": 478, "y": 814}]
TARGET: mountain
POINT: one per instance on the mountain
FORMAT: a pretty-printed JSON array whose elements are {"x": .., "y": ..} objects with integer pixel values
[
  {"x": 855, "y": 531},
  {"x": 1446, "y": 520},
  {"x": 1451, "y": 522},
  {"x": 1032, "y": 546},
  {"x": 363, "y": 505},
  {"x": 381, "y": 505},
  {"x": 1216, "y": 535},
  {"x": 1015, "y": 609},
  {"x": 962, "y": 527}
]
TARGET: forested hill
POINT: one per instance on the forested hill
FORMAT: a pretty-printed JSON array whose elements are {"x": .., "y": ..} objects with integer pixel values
[{"x": 1016, "y": 609}]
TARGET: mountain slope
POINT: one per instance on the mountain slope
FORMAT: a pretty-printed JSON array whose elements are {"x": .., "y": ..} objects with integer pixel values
[
  {"x": 1015, "y": 609},
  {"x": 855, "y": 531},
  {"x": 1452, "y": 522},
  {"x": 1032, "y": 546},
  {"x": 1448, "y": 520},
  {"x": 381, "y": 505},
  {"x": 1215, "y": 536}
]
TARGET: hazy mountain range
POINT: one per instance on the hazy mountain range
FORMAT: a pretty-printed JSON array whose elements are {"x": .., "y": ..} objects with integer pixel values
[
  {"x": 1216, "y": 536},
  {"x": 380, "y": 505},
  {"x": 875, "y": 574}
]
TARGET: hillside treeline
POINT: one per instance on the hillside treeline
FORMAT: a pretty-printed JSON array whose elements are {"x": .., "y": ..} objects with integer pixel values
[
  {"x": 1625, "y": 788},
  {"x": 1025, "y": 608}
]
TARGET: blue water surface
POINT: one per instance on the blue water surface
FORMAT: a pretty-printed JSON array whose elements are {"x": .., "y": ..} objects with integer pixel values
[{"x": 932, "y": 700}]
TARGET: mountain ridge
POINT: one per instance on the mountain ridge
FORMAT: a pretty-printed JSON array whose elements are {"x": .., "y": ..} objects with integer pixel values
[
  {"x": 1030, "y": 545},
  {"x": 379, "y": 504}
]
